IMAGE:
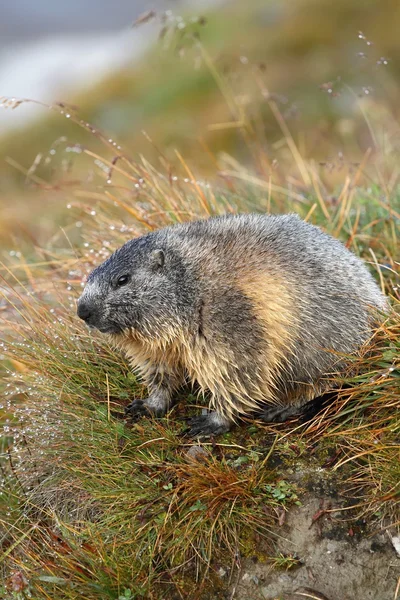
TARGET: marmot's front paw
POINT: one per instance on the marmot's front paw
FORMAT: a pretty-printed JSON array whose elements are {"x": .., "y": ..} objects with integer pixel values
[
  {"x": 207, "y": 425},
  {"x": 137, "y": 409},
  {"x": 155, "y": 405}
]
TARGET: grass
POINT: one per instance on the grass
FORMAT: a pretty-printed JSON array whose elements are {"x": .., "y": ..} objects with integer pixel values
[{"x": 95, "y": 508}]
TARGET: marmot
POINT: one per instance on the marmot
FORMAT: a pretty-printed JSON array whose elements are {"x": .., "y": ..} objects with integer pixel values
[{"x": 259, "y": 310}]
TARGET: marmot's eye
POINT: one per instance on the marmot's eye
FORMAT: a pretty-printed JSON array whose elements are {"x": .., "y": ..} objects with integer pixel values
[{"x": 123, "y": 280}]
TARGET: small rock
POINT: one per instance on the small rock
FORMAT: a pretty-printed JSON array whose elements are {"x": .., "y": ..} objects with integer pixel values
[
  {"x": 395, "y": 539},
  {"x": 247, "y": 577},
  {"x": 222, "y": 572},
  {"x": 196, "y": 453},
  {"x": 285, "y": 579},
  {"x": 331, "y": 546}
]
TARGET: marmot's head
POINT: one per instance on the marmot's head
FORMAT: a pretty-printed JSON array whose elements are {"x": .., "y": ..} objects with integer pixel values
[{"x": 141, "y": 286}]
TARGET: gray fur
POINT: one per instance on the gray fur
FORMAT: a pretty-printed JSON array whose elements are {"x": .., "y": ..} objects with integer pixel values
[{"x": 187, "y": 278}]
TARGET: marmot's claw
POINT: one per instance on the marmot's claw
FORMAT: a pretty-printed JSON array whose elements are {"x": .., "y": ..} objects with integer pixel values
[
  {"x": 204, "y": 426},
  {"x": 137, "y": 409}
]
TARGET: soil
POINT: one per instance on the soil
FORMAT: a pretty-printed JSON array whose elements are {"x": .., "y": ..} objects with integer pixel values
[{"x": 338, "y": 560}]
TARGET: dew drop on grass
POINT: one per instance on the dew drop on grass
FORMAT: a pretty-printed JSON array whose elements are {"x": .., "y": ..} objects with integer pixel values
[{"x": 382, "y": 61}]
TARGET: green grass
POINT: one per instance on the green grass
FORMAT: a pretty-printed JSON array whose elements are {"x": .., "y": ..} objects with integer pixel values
[{"x": 96, "y": 508}]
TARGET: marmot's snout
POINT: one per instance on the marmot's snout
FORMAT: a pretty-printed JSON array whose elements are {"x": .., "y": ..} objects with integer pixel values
[
  {"x": 87, "y": 312},
  {"x": 84, "y": 311},
  {"x": 89, "y": 309}
]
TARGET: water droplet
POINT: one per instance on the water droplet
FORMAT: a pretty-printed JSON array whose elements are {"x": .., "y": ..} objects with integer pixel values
[{"x": 382, "y": 61}]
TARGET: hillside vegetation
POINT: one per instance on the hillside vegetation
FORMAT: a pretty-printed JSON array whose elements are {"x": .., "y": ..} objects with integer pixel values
[{"x": 95, "y": 507}]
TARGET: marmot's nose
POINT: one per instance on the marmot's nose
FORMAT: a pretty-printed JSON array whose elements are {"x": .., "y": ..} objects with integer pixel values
[{"x": 84, "y": 312}]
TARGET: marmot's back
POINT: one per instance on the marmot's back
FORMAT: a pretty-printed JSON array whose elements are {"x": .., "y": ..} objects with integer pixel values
[{"x": 276, "y": 243}]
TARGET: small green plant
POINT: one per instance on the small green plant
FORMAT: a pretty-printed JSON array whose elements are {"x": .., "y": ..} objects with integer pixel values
[
  {"x": 285, "y": 561},
  {"x": 283, "y": 492},
  {"x": 129, "y": 594}
]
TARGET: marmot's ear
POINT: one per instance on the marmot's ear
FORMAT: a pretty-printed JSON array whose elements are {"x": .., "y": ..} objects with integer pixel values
[{"x": 157, "y": 259}]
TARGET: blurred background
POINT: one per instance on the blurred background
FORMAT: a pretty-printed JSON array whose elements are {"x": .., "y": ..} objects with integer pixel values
[{"x": 226, "y": 83}]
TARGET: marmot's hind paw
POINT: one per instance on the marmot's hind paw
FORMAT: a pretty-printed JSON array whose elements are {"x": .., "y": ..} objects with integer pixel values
[
  {"x": 136, "y": 410},
  {"x": 205, "y": 426}
]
